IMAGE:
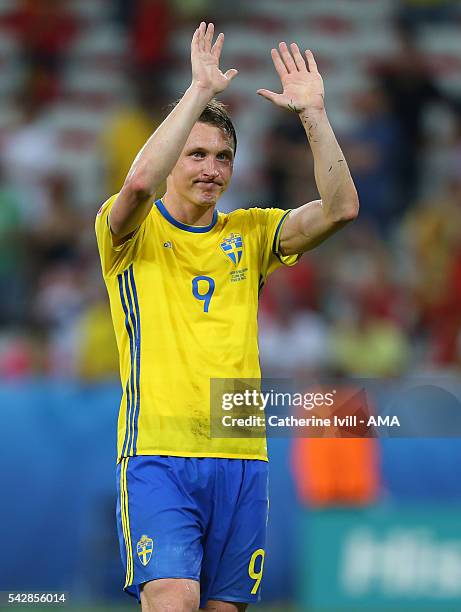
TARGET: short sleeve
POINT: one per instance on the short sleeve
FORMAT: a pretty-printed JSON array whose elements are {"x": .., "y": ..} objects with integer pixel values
[
  {"x": 270, "y": 222},
  {"x": 114, "y": 259}
]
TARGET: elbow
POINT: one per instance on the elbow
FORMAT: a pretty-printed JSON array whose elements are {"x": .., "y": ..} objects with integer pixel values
[
  {"x": 138, "y": 189},
  {"x": 351, "y": 212},
  {"x": 348, "y": 210}
]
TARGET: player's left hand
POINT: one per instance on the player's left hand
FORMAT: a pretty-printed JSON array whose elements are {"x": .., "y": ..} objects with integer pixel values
[{"x": 301, "y": 81}]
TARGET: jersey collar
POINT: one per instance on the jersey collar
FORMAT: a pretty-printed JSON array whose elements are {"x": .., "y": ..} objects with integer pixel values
[{"x": 197, "y": 229}]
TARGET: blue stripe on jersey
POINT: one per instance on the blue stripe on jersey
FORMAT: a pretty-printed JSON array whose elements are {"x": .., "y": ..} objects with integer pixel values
[
  {"x": 130, "y": 388},
  {"x": 138, "y": 356},
  {"x": 260, "y": 284},
  {"x": 133, "y": 362},
  {"x": 188, "y": 228},
  {"x": 276, "y": 235}
]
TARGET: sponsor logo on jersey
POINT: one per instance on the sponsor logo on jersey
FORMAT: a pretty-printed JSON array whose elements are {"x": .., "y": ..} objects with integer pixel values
[
  {"x": 144, "y": 548},
  {"x": 232, "y": 246}
]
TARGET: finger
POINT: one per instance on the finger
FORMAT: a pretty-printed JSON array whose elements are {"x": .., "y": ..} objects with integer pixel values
[
  {"x": 269, "y": 95},
  {"x": 286, "y": 57},
  {"x": 194, "y": 42},
  {"x": 209, "y": 36},
  {"x": 279, "y": 65},
  {"x": 231, "y": 74},
  {"x": 201, "y": 36},
  {"x": 312, "y": 64},
  {"x": 298, "y": 58},
  {"x": 217, "y": 47}
]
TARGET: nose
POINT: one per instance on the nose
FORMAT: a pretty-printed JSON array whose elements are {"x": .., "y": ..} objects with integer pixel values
[{"x": 209, "y": 167}]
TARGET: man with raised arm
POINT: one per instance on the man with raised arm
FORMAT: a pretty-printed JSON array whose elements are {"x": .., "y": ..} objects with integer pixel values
[{"x": 183, "y": 282}]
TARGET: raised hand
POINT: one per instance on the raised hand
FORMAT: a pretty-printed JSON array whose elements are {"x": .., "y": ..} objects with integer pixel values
[
  {"x": 206, "y": 73},
  {"x": 301, "y": 81}
]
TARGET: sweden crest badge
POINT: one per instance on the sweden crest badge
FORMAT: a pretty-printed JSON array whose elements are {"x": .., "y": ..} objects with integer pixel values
[
  {"x": 233, "y": 248},
  {"x": 144, "y": 548}
]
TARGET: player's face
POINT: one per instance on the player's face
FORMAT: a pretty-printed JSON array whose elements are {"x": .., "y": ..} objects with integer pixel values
[{"x": 204, "y": 168}]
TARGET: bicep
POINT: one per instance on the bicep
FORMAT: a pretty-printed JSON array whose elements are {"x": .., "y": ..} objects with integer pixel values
[{"x": 305, "y": 228}]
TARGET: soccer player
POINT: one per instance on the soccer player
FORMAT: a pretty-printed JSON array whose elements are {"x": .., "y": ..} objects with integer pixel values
[{"x": 183, "y": 282}]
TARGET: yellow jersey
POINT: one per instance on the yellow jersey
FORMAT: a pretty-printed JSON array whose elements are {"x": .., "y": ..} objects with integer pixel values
[{"x": 184, "y": 304}]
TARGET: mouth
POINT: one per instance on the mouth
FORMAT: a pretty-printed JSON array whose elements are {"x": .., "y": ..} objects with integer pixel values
[
  {"x": 207, "y": 183},
  {"x": 208, "y": 189}
]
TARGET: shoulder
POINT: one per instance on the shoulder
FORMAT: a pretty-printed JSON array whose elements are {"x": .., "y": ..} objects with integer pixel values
[
  {"x": 253, "y": 215},
  {"x": 105, "y": 207},
  {"x": 261, "y": 216},
  {"x": 266, "y": 221}
]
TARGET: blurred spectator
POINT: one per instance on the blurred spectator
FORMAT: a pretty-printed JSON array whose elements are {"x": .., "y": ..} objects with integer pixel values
[
  {"x": 97, "y": 354},
  {"x": 30, "y": 155},
  {"x": 124, "y": 11},
  {"x": 13, "y": 271},
  {"x": 369, "y": 346},
  {"x": 54, "y": 239},
  {"x": 299, "y": 282},
  {"x": 336, "y": 472},
  {"x": 149, "y": 29},
  {"x": 410, "y": 89},
  {"x": 288, "y": 171},
  {"x": 57, "y": 308},
  {"x": 45, "y": 30},
  {"x": 129, "y": 128},
  {"x": 302, "y": 331},
  {"x": 17, "y": 354},
  {"x": 418, "y": 12},
  {"x": 454, "y": 161},
  {"x": 368, "y": 312},
  {"x": 371, "y": 153},
  {"x": 357, "y": 268},
  {"x": 183, "y": 10},
  {"x": 304, "y": 335},
  {"x": 432, "y": 234}
]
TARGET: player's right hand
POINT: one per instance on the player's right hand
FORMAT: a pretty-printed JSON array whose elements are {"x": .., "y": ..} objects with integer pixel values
[{"x": 206, "y": 73}]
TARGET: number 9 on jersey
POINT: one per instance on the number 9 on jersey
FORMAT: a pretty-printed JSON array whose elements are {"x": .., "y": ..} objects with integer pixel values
[{"x": 203, "y": 289}]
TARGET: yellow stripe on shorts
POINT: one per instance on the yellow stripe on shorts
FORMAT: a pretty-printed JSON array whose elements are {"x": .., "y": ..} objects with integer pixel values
[{"x": 126, "y": 523}]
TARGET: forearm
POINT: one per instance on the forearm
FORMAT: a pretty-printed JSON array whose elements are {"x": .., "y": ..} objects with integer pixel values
[
  {"x": 161, "y": 152},
  {"x": 332, "y": 176}
]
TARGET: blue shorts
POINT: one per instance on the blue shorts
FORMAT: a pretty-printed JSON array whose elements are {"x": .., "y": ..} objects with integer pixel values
[{"x": 198, "y": 518}]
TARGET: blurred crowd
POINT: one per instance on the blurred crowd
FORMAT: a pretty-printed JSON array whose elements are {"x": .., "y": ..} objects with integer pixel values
[{"x": 381, "y": 298}]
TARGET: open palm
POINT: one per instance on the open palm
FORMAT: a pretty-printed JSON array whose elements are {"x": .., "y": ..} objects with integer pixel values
[
  {"x": 301, "y": 81},
  {"x": 205, "y": 60}
]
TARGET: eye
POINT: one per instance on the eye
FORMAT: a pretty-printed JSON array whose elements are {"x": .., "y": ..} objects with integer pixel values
[
  {"x": 224, "y": 156},
  {"x": 198, "y": 154}
]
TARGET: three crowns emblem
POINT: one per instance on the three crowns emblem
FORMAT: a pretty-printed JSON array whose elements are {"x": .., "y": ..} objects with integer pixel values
[
  {"x": 233, "y": 248},
  {"x": 144, "y": 548}
]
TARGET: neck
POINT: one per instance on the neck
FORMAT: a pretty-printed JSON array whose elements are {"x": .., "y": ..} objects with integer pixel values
[{"x": 188, "y": 212}]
